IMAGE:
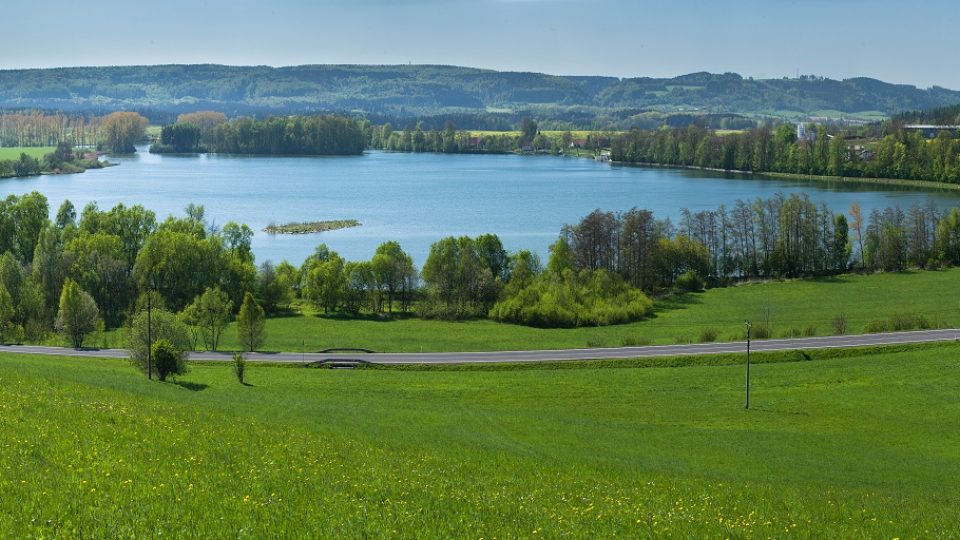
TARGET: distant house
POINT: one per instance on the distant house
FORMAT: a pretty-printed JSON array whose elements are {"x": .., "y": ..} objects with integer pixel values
[
  {"x": 804, "y": 134},
  {"x": 931, "y": 130},
  {"x": 578, "y": 143}
]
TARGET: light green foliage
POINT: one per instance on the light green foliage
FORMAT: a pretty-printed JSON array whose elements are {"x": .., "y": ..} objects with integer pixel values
[
  {"x": 163, "y": 325},
  {"x": 98, "y": 265},
  {"x": 394, "y": 275},
  {"x": 324, "y": 279},
  {"x": 210, "y": 312},
  {"x": 829, "y": 451},
  {"x": 239, "y": 364},
  {"x": 585, "y": 298},
  {"x": 251, "y": 324},
  {"x": 457, "y": 280},
  {"x": 78, "y": 314}
]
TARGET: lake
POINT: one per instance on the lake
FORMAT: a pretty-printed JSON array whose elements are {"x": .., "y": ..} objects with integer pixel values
[{"x": 420, "y": 198}]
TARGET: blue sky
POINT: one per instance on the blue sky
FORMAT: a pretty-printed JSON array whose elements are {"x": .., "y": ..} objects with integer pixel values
[{"x": 911, "y": 42}]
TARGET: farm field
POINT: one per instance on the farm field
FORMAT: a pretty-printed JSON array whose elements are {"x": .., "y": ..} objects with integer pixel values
[
  {"x": 13, "y": 152},
  {"x": 864, "y": 446},
  {"x": 792, "y": 308}
]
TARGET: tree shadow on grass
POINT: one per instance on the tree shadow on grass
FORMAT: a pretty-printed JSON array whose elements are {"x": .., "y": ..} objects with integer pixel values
[
  {"x": 369, "y": 317},
  {"x": 674, "y": 302},
  {"x": 192, "y": 386}
]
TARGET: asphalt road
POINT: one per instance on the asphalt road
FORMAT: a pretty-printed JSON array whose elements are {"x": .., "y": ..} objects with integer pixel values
[{"x": 921, "y": 336}]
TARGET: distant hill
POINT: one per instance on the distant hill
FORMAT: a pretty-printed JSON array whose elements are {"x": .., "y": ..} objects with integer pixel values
[{"x": 427, "y": 90}]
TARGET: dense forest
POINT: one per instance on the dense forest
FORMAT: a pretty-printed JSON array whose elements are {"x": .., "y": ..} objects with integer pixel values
[{"x": 425, "y": 91}]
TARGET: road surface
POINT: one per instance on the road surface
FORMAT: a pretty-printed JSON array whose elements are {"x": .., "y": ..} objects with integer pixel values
[{"x": 865, "y": 340}]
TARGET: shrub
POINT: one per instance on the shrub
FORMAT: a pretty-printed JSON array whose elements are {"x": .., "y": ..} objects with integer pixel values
[
  {"x": 809, "y": 330},
  {"x": 839, "y": 324},
  {"x": 690, "y": 281},
  {"x": 708, "y": 335},
  {"x": 239, "y": 366},
  {"x": 595, "y": 343},
  {"x": 634, "y": 341},
  {"x": 761, "y": 332},
  {"x": 897, "y": 322},
  {"x": 167, "y": 359}
]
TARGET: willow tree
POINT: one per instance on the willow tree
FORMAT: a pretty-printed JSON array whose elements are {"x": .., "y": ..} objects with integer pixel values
[{"x": 121, "y": 130}]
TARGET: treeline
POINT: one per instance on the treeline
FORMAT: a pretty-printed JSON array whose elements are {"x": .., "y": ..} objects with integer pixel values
[
  {"x": 115, "y": 132},
  {"x": 902, "y": 154},
  {"x": 528, "y": 138},
  {"x": 293, "y": 135},
  {"x": 784, "y": 236}
]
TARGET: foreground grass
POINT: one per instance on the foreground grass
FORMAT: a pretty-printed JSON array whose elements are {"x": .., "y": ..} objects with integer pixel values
[
  {"x": 857, "y": 447},
  {"x": 13, "y": 152},
  {"x": 792, "y": 307}
]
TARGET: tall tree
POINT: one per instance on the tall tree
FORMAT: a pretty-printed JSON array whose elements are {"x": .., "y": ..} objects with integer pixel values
[
  {"x": 78, "y": 314},
  {"x": 251, "y": 324}
]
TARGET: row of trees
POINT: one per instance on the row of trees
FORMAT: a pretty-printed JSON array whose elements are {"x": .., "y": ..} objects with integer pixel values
[
  {"x": 293, "y": 135},
  {"x": 902, "y": 153},
  {"x": 115, "y": 132}
]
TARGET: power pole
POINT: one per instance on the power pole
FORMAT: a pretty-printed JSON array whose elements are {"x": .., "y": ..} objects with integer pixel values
[
  {"x": 749, "y": 326},
  {"x": 150, "y": 335}
]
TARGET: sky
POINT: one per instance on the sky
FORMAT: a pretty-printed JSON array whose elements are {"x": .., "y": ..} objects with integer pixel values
[{"x": 911, "y": 42}]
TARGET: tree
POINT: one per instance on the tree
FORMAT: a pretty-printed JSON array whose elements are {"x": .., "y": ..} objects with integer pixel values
[
  {"x": 325, "y": 281},
  {"x": 163, "y": 325},
  {"x": 78, "y": 314},
  {"x": 210, "y": 312},
  {"x": 6, "y": 312},
  {"x": 121, "y": 130},
  {"x": 168, "y": 359},
  {"x": 251, "y": 324},
  {"x": 273, "y": 290}
]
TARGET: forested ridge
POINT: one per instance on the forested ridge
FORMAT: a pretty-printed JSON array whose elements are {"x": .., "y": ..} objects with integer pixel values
[{"x": 425, "y": 90}]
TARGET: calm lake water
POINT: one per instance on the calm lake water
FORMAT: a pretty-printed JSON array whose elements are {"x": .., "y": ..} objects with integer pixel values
[{"x": 420, "y": 198}]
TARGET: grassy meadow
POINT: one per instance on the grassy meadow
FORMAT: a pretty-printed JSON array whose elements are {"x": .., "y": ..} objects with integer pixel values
[
  {"x": 792, "y": 308},
  {"x": 858, "y": 447},
  {"x": 13, "y": 152}
]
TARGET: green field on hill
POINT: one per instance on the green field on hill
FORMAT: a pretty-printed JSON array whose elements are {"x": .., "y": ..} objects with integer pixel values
[
  {"x": 859, "y": 447},
  {"x": 792, "y": 308}
]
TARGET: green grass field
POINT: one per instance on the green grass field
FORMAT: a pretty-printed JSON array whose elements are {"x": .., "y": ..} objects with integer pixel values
[
  {"x": 14, "y": 152},
  {"x": 793, "y": 308},
  {"x": 860, "y": 447}
]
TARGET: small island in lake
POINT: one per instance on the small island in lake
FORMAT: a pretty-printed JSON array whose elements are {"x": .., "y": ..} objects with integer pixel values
[{"x": 311, "y": 227}]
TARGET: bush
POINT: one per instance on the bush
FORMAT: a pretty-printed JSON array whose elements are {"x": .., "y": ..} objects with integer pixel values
[
  {"x": 167, "y": 359},
  {"x": 596, "y": 298},
  {"x": 840, "y": 324},
  {"x": 809, "y": 330},
  {"x": 897, "y": 322},
  {"x": 707, "y": 335},
  {"x": 761, "y": 332},
  {"x": 239, "y": 366},
  {"x": 634, "y": 341},
  {"x": 165, "y": 326},
  {"x": 595, "y": 343},
  {"x": 690, "y": 281}
]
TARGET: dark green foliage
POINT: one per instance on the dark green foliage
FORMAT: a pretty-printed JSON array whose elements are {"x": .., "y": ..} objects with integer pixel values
[
  {"x": 308, "y": 135},
  {"x": 182, "y": 137},
  {"x": 167, "y": 359},
  {"x": 690, "y": 281},
  {"x": 239, "y": 364},
  {"x": 898, "y": 154}
]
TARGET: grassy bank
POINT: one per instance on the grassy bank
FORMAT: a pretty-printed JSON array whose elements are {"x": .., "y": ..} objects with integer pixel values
[
  {"x": 856, "y": 447},
  {"x": 13, "y": 153},
  {"x": 792, "y": 308}
]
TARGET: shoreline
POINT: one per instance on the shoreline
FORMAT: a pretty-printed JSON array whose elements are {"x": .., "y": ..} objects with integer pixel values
[{"x": 924, "y": 184}]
